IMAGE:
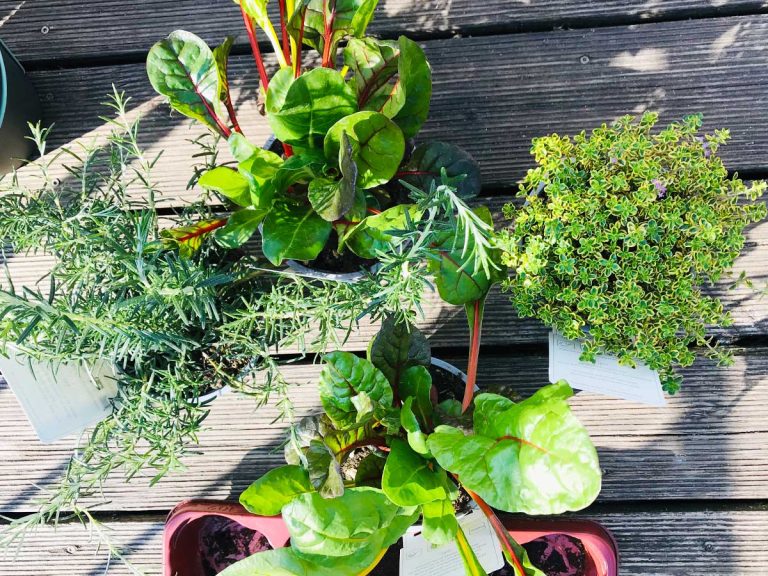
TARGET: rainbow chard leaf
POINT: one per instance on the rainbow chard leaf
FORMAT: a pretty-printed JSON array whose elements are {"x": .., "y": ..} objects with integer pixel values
[
  {"x": 411, "y": 480},
  {"x": 532, "y": 457},
  {"x": 240, "y": 227},
  {"x": 293, "y": 231},
  {"x": 189, "y": 239},
  {"x": 374, "y": 233},
  {"x": 289, "y": 562},
  {"x": 229, "y": 183},
  {"x": 377, "y": 142},
  {"x": 397, "y": 347},
  {"x": 268, "y": 495},
  {"x": 424, "y": 168},
  {"x": 439, "y": 522},
  {"x": 327, "y": 22},
  {"x": 375, "y": 67},
  {"x": 183, "y": 69},
  {"x": 301, "y": 111},
  {"x": 343, "y": 379},
  {"x": 223, "y": 104},
  {"x": 362, "y": 517},
  {"x": 331, "y": 199}
]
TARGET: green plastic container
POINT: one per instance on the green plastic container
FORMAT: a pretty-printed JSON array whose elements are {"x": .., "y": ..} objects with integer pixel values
[{"x": 19, "y": 105}]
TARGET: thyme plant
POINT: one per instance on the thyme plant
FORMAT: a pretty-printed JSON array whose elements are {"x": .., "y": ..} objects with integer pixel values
[{"x": 620, "y": 231}]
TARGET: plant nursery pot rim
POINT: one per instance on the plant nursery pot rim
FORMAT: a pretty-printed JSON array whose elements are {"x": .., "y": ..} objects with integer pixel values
[
  {"x": 598, "y": 541},
  {"x": 4, "y": 80}
]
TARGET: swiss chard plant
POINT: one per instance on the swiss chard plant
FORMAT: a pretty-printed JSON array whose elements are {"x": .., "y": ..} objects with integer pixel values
[
  {"x": 413, "y": 457},
  {"x": 344, "y": 129}
]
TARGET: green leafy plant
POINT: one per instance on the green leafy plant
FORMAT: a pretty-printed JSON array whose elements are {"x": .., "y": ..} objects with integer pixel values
[
  {"x": 129, "y": 285},
  {"x": 620, "y": 230},
  {"x": 343, "y": 135},
  {"x": 412, "y": 461}
]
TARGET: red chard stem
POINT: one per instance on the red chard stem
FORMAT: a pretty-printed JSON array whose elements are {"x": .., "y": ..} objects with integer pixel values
[
  {"x": 284, "y": 29},
  {"x": 255, "y": 48},
  {"x": 475, "y": 310}
]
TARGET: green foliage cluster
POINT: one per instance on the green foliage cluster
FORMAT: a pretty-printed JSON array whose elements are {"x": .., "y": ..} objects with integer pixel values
[
  {"x": 342, "y": 519},
  {"x": 177, "y": 322},
  {"x": 344, "y": 133},
  {"x": 619, "y": 232}
]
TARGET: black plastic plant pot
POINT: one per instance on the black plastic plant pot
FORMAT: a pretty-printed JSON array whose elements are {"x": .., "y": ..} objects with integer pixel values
[{"x": 19, "y": 105}]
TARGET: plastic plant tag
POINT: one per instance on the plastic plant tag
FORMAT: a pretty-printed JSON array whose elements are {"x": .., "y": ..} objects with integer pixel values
[
  {"x": 605, "y": 376},
  {"x": 419, "y": 558},
  {"x": 61, "y": 399}
]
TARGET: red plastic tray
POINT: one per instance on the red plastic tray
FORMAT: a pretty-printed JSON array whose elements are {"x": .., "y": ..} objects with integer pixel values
[{"x": 180, "y": 538}]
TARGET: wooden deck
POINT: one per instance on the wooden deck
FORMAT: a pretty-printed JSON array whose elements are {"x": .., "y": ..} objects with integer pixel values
[{"x": 686, "y": 487}]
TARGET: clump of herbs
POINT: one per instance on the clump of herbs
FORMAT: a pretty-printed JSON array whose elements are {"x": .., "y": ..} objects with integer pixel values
[{"x": 620, "y": 230}]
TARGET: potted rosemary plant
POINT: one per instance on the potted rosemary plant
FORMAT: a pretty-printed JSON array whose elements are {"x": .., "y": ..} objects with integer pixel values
[
  {"x": 126, "y": 290},
  {"x": 392, "y": 447},
  {"x": 19, "y": 105},
  {"x": 331, "y": 184},
  {"x": 619, "y": 232}
]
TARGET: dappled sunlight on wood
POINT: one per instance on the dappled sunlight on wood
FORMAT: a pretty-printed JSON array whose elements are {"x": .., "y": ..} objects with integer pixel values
[{"x": 644, "y": 60}]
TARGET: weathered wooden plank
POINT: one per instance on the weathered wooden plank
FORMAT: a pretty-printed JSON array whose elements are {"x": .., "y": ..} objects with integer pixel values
[
  {"x": 716, "y": 542},
  {"x": 447, "y": 325},
  {"x": 711, "y": 442},
  {"x": 493, "y": 94},
  {"x": 49, "y": 30}
]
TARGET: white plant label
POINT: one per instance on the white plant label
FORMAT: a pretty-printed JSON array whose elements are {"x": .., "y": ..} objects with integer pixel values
[
  {"x": 419, "y": 558},
  {"x": 62, "y": 399},
  {"x": 605, "y": 376}
]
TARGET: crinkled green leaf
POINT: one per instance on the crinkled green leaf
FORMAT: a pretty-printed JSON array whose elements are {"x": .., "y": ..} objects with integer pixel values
[
  {"x": 417, "y": 439},
  {"x": 268, "y": 495},
  {"x": 411, "y": 480},
  {"x": 229, "y": 183},
  {"x": 430, "y": 158},
  {"x": 240, "y": 227},
  {"x": 299, "y": 168},
  {"x": 378, "y": 145},
  {"x": 293, "y": 231},
  {"x": 343, "y": 377},
  {"x": 398, "y": 346},
  {"x": 182, "y": 68},
  {"x": 240, "y": 148},
  {"x": 538, "y": 460},
  {"x": 439, "y": 522},
  {"x": 260, "y": 169},
  {"x": 374, "y": 64},
  {"x": 456, "y": 278},
  {"x": 324, "y": 470},
  {"x": 416, "y": 78},
  {"x": 311, "y": 105},
  {"x": 288, "y": 562},
  {"x": 416, "y": 383},
  {"x": 374, "y": 234},
  {"x": 362, "y": 517},
  {"x": 333, "y": 198}
]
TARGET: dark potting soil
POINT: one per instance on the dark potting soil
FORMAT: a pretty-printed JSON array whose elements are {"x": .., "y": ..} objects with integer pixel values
[
  {"x": 554, "y": 554},
  {"x": 224, "y": 542}
]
